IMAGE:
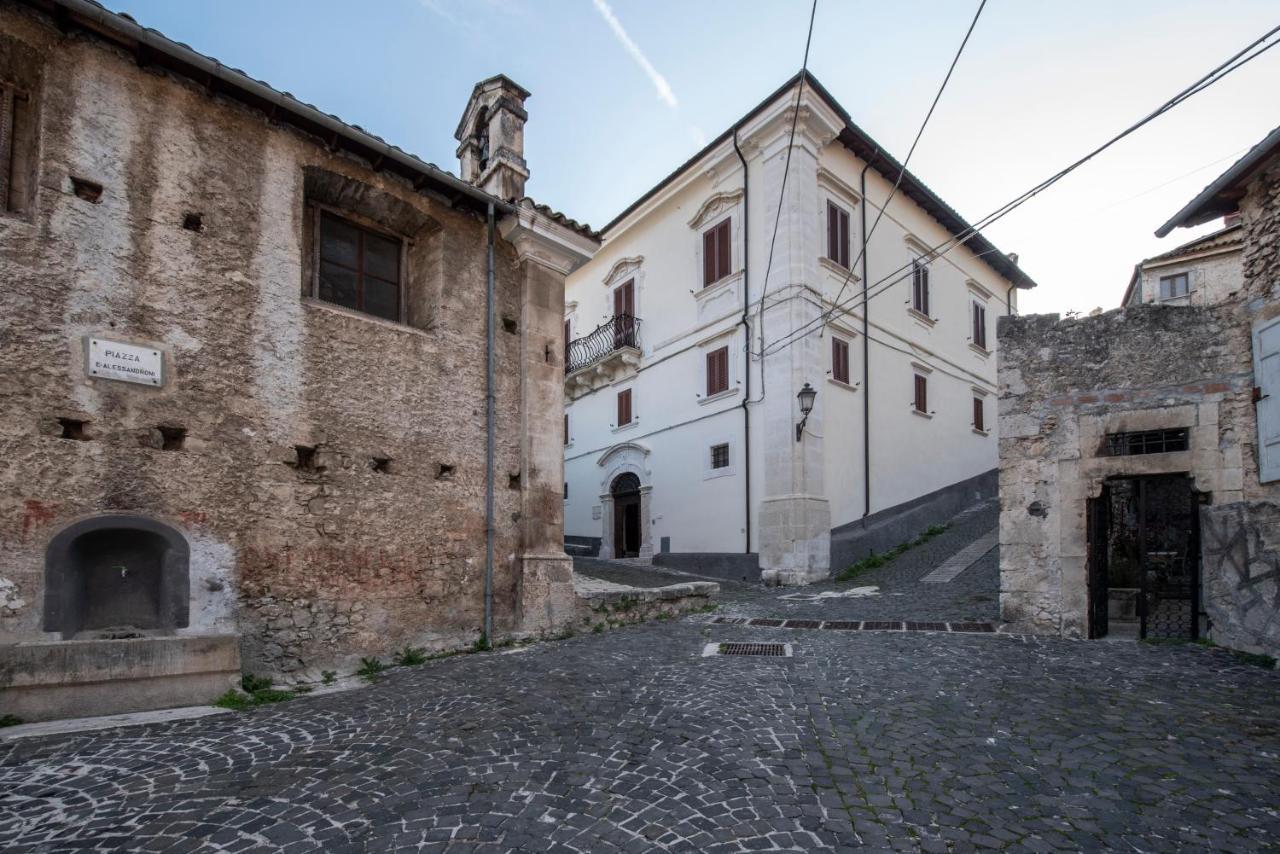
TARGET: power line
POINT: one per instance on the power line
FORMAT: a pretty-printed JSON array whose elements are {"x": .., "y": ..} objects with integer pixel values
[
  {"x": 1218, "y": 73},
  {"x": 903, "y": 171},
  {"x": 786, "y": 170}
]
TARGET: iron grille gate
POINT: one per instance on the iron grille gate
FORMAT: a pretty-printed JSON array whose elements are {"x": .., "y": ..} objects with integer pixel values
[{"x": 1144, "y": 553}]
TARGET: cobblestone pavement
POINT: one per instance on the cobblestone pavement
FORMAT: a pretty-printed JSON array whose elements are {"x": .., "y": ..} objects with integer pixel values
[{"x": 632, "y": 741}]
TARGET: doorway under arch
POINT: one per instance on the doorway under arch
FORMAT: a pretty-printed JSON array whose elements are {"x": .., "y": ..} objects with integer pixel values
[{"x": 627, "y": 528}]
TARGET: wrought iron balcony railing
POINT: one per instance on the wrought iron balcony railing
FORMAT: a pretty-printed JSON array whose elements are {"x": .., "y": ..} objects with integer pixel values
[{"x": 618, "y": 332}]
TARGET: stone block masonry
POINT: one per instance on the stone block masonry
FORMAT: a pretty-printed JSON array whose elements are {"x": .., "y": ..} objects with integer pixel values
[{"x": 325, "y": 467}]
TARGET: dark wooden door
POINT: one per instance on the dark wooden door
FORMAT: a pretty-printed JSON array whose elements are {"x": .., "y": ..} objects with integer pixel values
[{"x": 1098, "y": 524}]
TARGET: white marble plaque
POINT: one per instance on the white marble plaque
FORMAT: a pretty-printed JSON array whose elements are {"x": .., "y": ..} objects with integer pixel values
[{"x": 112, "y": 360}]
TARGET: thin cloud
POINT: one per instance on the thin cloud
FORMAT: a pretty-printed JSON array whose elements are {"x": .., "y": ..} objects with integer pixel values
[{"x": 659, "y": 82}]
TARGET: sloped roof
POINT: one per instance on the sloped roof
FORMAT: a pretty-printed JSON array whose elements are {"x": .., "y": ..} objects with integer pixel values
[
  {"x": 1232, "y": 236},
  {"x": 151, "y": 47},
  {"x": 870, "y": 151},
  {"x": 1224, "y": 193}
]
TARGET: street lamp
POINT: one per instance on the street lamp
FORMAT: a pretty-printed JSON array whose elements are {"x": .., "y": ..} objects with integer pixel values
[{"x": 806, "y": 396}]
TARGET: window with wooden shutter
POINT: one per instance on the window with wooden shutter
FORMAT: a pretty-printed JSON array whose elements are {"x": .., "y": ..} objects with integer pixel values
[
  {"x": 1266, "y": 373},
  {"x": 566, "y": 428},
  {"x": 716, "y": 252},
  {"x": 920, "y": 287},
  {"x": 839, "y": 360},
  {"x": 624, "y": 408},
  {"x": 980, "y": 325},
  {"x": 979, "y": 416},
  {"x": 922, "y": 394},
  {"x": 837, "y": 234},
  {"x": 718, "y": 371}
]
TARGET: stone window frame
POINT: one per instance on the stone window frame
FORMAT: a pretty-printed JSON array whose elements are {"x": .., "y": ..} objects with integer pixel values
[
  {"x": 832, "y": 190},
  {"x": 979, "y": 298},
  {"x": 709, "y": 472},
  {"x": 1185, "y": 275},
  {"x": 980, "y": 396},
  {"x": 920, "y": 254},
  {"x": 708, "y": 345},
  {"x": 314, "y": 212},
  {"x": 20, "y": 131},
  {"x": 715, "y": 210},
  {"x": 920, "y": 372}
]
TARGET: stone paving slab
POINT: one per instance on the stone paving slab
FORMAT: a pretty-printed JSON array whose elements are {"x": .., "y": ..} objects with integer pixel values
[
  {"x": 963, "y": 559},
  {"x": 632, "y": 741}
]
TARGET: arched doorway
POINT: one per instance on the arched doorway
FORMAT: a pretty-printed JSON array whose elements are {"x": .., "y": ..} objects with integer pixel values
[{"x": 627, "y": 531}]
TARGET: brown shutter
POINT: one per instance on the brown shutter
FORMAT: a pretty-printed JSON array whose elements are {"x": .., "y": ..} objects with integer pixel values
[
  {"x": 624, "y": 407},
  {"x": 839, "y": 360},
  {"x": 844, "y": 239},
  {"x": 723, "y": 250},
  {"x": 977, "y": 414},
  {"x": 981, "y": 320},
  {"x": 833, "y": 233},
  {"x": 713, "y": 372},
  {"x": 922, "y": 394},
  {"x": 566, "y": 428},
  {"x": 708, "y": 257}
]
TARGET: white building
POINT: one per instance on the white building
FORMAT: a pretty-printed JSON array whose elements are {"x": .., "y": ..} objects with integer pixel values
[{"x": 681, "y": 439}]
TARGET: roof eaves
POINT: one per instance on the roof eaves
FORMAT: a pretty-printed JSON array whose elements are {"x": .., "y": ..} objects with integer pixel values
[
  {"x": 866, "y": 148},
  {"x": 183, "y": 60},
  {"x": 1224, "y": 191}
]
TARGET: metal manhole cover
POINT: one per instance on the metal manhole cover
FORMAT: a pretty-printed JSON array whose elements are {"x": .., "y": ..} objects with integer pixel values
[
  {"x": 846, "y": 625},
  {"x": 768, "y": 650},
  {"x": 926, "y": 627},
  {"x": 802, "y": 624}
]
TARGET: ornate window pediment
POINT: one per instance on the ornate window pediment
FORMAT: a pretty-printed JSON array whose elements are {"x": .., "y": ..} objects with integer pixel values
[
  {"x": 716, "y": 205},
  {"x": 624, "y": 269}
]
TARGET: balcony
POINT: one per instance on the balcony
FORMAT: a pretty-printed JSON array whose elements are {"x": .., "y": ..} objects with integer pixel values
[{"x": 602, "y": 356}]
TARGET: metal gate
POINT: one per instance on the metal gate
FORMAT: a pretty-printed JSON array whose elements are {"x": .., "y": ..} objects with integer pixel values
[{"x": 1144, "y": 557}]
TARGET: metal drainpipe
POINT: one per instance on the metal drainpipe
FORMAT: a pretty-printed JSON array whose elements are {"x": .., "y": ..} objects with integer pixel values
[
  {"x": 489, "y": 401},
  {"x": 866, "y": 349},
  {"x": 746, "y": 337}
]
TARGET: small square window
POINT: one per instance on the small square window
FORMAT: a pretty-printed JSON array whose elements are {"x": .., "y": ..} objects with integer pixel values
[
  {"x": 1172, "y": 287},
  {"x": 720, "y": 456}
]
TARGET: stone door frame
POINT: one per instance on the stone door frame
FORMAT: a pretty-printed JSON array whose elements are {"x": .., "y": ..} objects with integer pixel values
[{"x": 625, "y": 458}]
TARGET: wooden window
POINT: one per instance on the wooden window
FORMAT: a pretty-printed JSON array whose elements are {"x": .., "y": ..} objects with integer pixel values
[
  {"x": 837, "y": 234},
  {"x": 359, "y": 268},
  {"x": 980, "y": 325},
  {"x": 920, "y": 287},
  {"x": 716, "y": 252},
  {"x": 718, "y": 371},
  {"x": 839, "y": 360},
  {"x": 979, "y": 416},
  {"x": 566, "y": 490},
  {"x": 624, "y": 408},
  {"x": 922, "y": 394},
  {"x": 1172, "y": 287},
  {"x": 720, "y": 456},
  {"x": 566, "y": 428},
  {"x": 568, "y": 332},
  {"x": 1266, "y": 396}
]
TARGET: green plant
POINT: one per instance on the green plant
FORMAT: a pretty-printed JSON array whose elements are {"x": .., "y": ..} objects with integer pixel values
[
  {"x": 598, "y": 628},
  {"x": 9, "y": 720},
  {"x": 875, "y": 561},
  {"x": 328, "y": 677},
  {"x": 252, "y": 684},
  {"x": 1254, "y": 658},
  {"x": 370, "y": 668},
  {"x": 411, "y": 656},
  {"x": 234, "y": 700},
  {"x": 481, "y": 644}
]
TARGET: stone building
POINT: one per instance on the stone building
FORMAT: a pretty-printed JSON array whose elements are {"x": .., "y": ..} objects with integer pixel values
[
  {"x": 1204, "y": 271},
  {"x": 1140, "y": 451},
  {"x": 697, "y": 333},
  {"x": 244, "y": 381}
]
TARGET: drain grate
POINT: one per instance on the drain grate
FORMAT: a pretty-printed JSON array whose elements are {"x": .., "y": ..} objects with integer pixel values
[
  {"x": 775, "y": 650},
  {"x": 730, "y": 621},
  {"x": 972, "y": 627},
  {"x": 881, "y": 626},
  {"x": 802, "y": 624},
  {"x": 760, "y": 621},
  {"x": 926, "y": 627},
  {"x": 845, "y": 625}
]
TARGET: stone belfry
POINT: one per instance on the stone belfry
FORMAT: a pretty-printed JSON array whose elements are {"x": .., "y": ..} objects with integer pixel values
[{"x": 491, "y": 138}]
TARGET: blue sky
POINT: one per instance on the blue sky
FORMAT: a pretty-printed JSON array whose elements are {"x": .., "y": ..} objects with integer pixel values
[{"x": 1040, "y": 83}]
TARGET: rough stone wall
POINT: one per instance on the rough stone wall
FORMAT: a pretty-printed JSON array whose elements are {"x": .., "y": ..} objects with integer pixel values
[
  {"x": 1065, "y": 384},
  {"x": 1260, "y": 211},
  {"x": 318, "y": 567},
  {"x": 1241, "y": 592}
]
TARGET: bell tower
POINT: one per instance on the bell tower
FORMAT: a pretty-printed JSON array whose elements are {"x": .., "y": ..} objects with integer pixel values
[{"x": 491, "y": 138}]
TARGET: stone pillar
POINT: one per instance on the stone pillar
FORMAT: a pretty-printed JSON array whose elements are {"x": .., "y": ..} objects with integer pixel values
[
  {"x": 547, "y": 252},
  {"x": 794, "y": 520},
  {"x": 606, "y": 526},
  {"x": 646, "y": 523}
]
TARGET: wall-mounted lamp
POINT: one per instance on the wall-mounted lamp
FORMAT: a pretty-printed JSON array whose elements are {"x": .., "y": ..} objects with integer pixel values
[{"x": 806, "y": 397}]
